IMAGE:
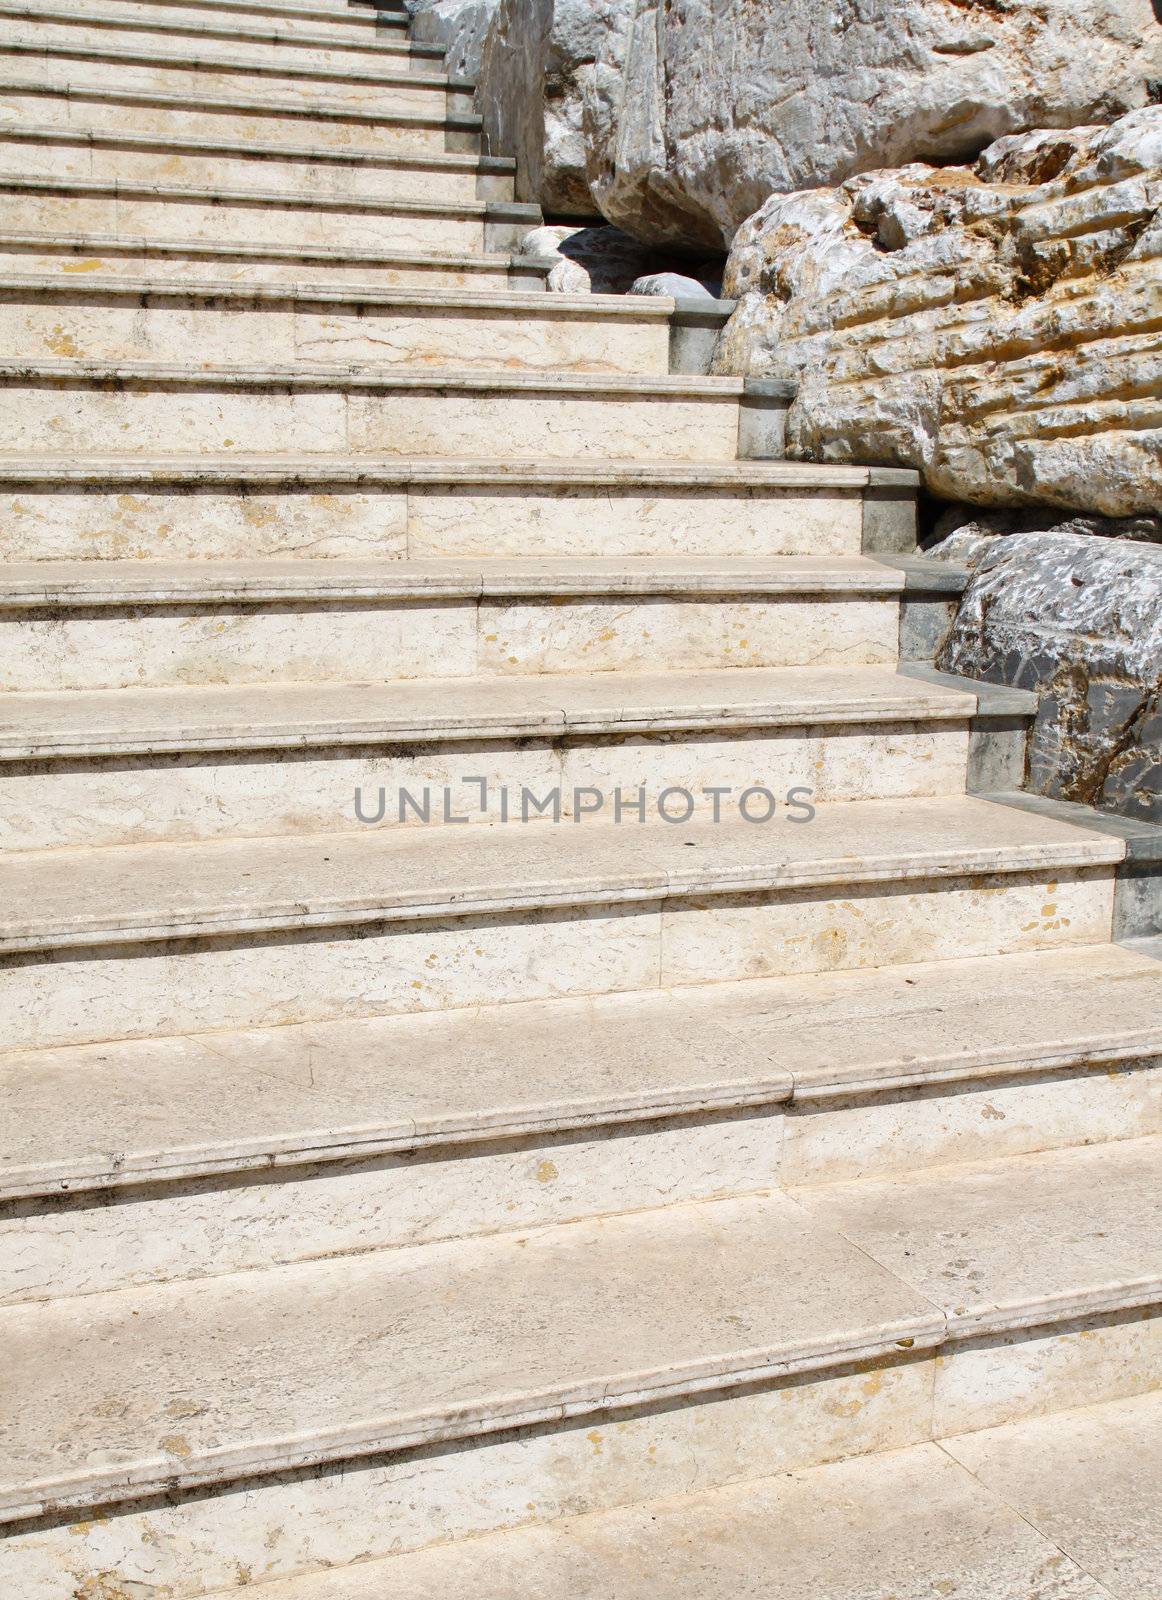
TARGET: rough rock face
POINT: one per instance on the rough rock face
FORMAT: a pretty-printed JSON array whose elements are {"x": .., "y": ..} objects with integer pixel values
[
  {"x": 996, "y": 328},
  {"x": 697, "y": 110},
  {"x": 536, "y": 59},
  {"x": 459, "y": 25},
  {"x": 1072, "y": 611}
]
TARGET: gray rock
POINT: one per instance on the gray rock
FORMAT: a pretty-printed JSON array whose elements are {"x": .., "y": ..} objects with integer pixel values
[
  {"x": 672, "y": 283},
  {"x": 696, "y": 111},
  {"x": 995, "y": 328},
  {"x": 1072, "y": 611},
  {"x": 458, "y": 25}
]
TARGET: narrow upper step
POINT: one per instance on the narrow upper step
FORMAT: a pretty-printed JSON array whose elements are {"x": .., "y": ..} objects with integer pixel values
[
  {"x": 1065, "y": 1507},
  {"x": 92, "y": 1117},
  {"x": 126, "y": 893},
  {"x": 181, "y": 24},
  {"x": 170, "y": 583},
  {"x": 391, "y": 20},
  {"x": 454, "y": 1340},
  {"x": 123, "y": 721}
]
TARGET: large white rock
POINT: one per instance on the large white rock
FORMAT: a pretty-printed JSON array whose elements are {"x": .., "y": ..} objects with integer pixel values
[
  {"x": 697, "y": 110},
  {"x": 997, "y": 333},
  {"x": 536, "y": 59},
  {"x": 1073, "y": 611}
]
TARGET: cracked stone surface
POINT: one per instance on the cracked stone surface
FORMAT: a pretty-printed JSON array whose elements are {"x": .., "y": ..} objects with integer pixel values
[{"x": 1076, "y": 617}]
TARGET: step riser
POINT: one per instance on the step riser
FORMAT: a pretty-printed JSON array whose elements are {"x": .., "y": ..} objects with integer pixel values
[
  {"x": 109, "y": 648},
  {"x": 137, "y": 800},
  {"x": 54, "y": 1250},
  {"x": 370, "y": 336},
  {"x": 423, "y": 521},
  {"x": 532, "y": 425},
  {"x": 267, "y": 173},
  {"x": 245, "y": 222},
  {"x": 323, "y": 1518},
  {"x": 53, "y": 107},
  {"x": 264, "y": 980},
  {"x": 293, "y": 83},
  {"x": 380, "y": 57},
  {"x": 194, "y": 268},
  {"x": 162, "y": 1232}
]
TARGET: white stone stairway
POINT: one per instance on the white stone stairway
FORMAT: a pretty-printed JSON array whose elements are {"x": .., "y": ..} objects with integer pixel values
[{"x": 545, "y": 1196}]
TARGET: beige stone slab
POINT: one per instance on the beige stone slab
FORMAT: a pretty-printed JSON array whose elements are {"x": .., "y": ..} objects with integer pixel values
[
  {"x": 55, "y": 407},
  {"x": 165, "y": 892},
  {"x": 257, "y": 114},
  {"x": 358, "y": 222},
  {"x": 994, "y": 1246},
  {"x": 149, "y": 71},
  {"x": 326, "y": 172},
  {"x": 388, "y": 29},
  {"x": 1090, "y": 1480},
  {"x": 908, "y": 1524},
  {"x": 111, "y": 27},
  {"x": 175, "y": 1108},
  {"x": 427, "y": 1346},
  {"x": 329, "y": 1517},
  {"x": 42, "y": 725},
  {"x": 103, "y": 320},
  {"x": 71, "y": 255}
]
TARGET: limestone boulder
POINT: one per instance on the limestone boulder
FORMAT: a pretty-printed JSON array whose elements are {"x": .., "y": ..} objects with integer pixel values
[
  {"x": 995, "y": 326},
  {"x": 535, "y": 62},
  {"x": 1072, "y": 610},
  {"x": 599, "y": 260},
  {"x": 696, "y": 111},
  {"x": 460, "y": 26}
]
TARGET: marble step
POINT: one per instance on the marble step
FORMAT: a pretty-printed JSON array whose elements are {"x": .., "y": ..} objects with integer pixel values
[
  {"x": 401, "y": 1398},
  {"x": 126, "y": 624},
  {"x": 1064, "y": 1505},
  {"x": 135, "y": 408},
  {"x": 260, "y": 110},
  {"x": 99, "y": 153},
  {"x": 186, "y": 32},
  {"x": 91, "y": 318},
  {"x": 374, "y": 85},
  {"x": 136, "y": 940},
  {"x": 195, "y": 260},
  {"x": 257, "y": 216},
  {"x": 133, "y": 766},
  {"x": 151, "y": 1160},
  {"x": 344, "y": 20},
  {"x": 81, "y": 507}
]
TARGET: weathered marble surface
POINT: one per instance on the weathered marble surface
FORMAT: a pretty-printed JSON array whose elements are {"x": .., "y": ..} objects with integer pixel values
[
  {"x": 459, "y": 25},
  {"x": 996, "y": 328},
  {"x": 1076, "y": 617},
  {"x": 696, "y": 112}
]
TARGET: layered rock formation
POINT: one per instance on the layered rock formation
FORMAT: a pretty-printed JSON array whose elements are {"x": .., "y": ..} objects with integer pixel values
[
  {"x": 697, "y": 110},
  {"x": 997, "y": 328},
  {"x": 459, "y": 25},
  {"x": 1076, "y": 617}
]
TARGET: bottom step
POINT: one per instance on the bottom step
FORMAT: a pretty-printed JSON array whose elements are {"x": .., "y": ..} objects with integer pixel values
[{"x": 1067, "y": 1507}]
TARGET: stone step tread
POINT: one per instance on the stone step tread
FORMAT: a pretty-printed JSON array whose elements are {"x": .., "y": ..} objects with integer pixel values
[
  {"x": 97, "y": 49},
  {"x": 139, "y": 893},
  {"x": 313, "y": 110},
  {"x": 366, "y": 17},
  {"x": 452, "y": 1340},
  {"x": 1077, "y": 1495},
  {"x": 329, "y": 155},
  {"x": 100, "y": 19},
  {"x": 133, "y": 582},
  {"x": 291, "y": 468},
  {"x": 292, "y": 716},
  {"x": 304, "y": 375},
  {"x": 95, "y": 1117},
  {"x": 90, "y": 244},
  {"x": 293, "y": 199},
  {"x": 18, "y": 287}
]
